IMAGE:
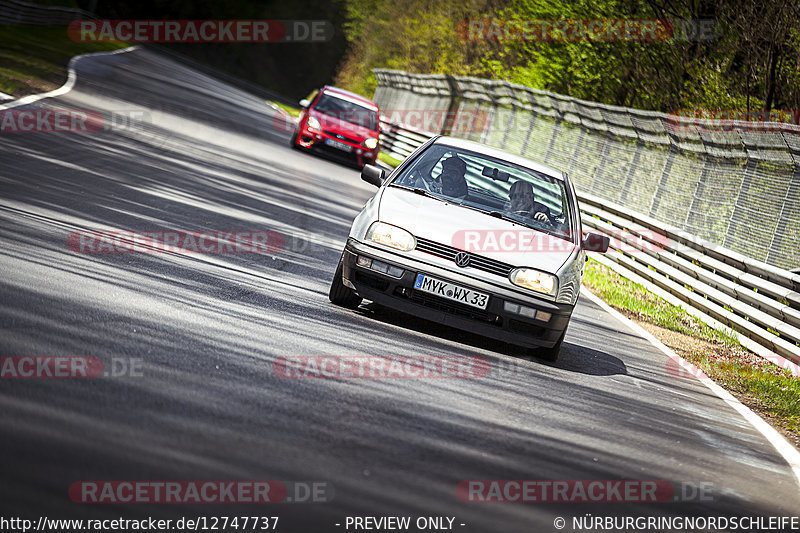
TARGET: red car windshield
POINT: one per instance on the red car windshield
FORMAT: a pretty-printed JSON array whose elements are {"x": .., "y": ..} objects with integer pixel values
[{"x": 347, "y": 111}]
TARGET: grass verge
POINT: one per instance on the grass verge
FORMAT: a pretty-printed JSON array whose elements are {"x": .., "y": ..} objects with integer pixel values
[
  {"x": 34, "y": 59},
  {"x": 764, "y": 387},
  {"x": 294, "y": 111},
  {"x": 389, "y": 160}
]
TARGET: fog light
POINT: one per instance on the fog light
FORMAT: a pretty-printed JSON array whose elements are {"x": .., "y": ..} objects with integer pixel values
[
  {"x": 395, "y": 272},
  {"x": 527, "y": 312},
  {"x": 358, "y": 151},
  {"x": 380, "y": 266}
]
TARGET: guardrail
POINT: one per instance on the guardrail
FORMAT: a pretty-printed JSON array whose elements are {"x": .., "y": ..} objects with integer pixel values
[
  {"x": 15, "y": 12},
  {"x": 759, "y": 302},
  {"x": 399, "y": 142}
]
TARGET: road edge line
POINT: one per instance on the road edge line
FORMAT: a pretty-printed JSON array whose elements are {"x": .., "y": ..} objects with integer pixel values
[
  {"x": 72, "y": 77},
  {"x": 786, "y": 450}
]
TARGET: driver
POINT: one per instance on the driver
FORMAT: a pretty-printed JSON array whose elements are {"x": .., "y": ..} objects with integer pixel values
[
  {"x": 452, "y": 177},
  {"x": 523, "y": 202}
]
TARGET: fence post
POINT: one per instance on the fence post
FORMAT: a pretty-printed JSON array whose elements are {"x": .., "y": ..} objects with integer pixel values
[
  {"x": 532, "y": 122},
  {"x": 698, "y": 191},
  {"x": 626, "y": 187},
  {"x": 662, "y": 182},
  {"x": 577, "y": 150},
  {"x": 508, "y": 125},
  {"x": 744, "y": 188},
  {"x": 556, "y": 127},
  {"x": 452, "y": 108},
  {"x": 602, "y": 164},
  {"x": 791, "y": 199}
]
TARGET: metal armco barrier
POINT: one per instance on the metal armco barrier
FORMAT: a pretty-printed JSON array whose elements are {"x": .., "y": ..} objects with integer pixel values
[
  {"x": 756, "y": 300},
  {"x": 399, "y": 142},
  {"x": 760, "y": 302}
]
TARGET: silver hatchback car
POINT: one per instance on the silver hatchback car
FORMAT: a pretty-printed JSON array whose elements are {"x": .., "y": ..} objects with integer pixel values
[{"x": 471, "y": 237}]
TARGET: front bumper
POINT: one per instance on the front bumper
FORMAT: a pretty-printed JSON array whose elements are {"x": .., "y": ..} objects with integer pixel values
[
  {"x": 315, "y": 140},
  {"x": 493, "y": 322}
]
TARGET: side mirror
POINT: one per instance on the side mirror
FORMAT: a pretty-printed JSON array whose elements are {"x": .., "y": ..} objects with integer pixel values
[
  {"x": 594, "y": 242},
  {"x": 304, "y": 103},
  {"x": 373, "y": 175}
]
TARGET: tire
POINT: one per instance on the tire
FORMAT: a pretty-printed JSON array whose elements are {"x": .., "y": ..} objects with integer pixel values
[
  {"x": 550, "y": 354},
  {"x": 340, "y": 294}
]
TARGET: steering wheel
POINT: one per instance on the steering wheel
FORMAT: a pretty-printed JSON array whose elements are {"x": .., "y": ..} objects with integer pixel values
[{"x": 546, "y": 223}]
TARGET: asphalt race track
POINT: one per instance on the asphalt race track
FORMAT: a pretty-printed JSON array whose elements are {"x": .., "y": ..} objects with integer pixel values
[{"x": 203, "y": 330}]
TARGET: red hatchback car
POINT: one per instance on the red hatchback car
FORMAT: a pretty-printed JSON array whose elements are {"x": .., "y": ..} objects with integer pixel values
[{"x": 340, "y": 123}]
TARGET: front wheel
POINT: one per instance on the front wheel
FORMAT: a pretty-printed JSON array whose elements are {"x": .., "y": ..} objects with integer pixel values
[
  {"x": 340, "y": 294},
  {"x": 550, "y": 354}
]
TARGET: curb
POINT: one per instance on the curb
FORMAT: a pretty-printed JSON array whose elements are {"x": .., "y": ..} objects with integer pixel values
[{"x": 789, "y": 453}]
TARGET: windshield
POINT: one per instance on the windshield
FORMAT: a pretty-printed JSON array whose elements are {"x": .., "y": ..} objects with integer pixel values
[
  {"x": 347, "y": 111},
  {"x": 495, "y": 186}
]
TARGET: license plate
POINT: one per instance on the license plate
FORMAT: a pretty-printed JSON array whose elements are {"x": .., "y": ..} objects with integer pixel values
[
  {"x": 339, "y": 145},
  {"x": 450, "y": 291}
]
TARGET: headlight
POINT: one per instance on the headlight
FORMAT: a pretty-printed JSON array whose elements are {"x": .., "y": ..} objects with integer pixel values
[
  {"x": 534, "y": 280},
  {"x": 314, "y": 124},
  {"x": 391, "y": 236},
  {"x": 371, "y": 143}
]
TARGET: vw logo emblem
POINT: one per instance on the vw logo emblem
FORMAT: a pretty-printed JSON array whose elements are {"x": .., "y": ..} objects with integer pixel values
[{"x": 462, "y": 259}]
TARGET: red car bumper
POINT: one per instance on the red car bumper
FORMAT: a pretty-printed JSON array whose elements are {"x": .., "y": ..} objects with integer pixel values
[{"x": 336, "y": 143}]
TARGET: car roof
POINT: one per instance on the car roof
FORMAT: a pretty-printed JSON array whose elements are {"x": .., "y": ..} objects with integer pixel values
[
  {"x": 499, "y": 154},
  {"x": 349, "y": 95}
]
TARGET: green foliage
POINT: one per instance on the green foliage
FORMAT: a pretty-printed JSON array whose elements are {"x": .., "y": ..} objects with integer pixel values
[
  {"x": 751, "y": 61},
  {"x": 34, "y": 58},
  {"x": 412, "y": 35}
]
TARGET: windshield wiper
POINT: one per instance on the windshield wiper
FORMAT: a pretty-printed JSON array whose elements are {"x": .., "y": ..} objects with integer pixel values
[
  {"x": 422, "y": 192},
  {"x": 495, "y": 214},
  {"x": 498, "y": 214}
]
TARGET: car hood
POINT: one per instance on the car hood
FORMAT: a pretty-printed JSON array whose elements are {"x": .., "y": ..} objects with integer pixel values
[
  {"x": 473, "y": 231},
  {"x": 342, "y": 126}
]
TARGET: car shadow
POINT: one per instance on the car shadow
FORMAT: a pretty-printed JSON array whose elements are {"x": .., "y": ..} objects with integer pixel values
[{"x": 574, "y": 357}]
